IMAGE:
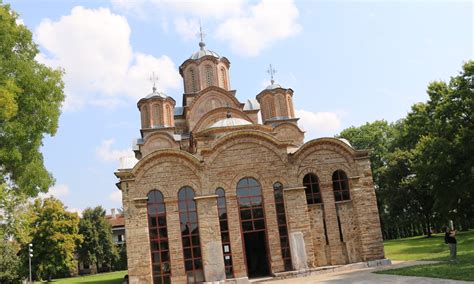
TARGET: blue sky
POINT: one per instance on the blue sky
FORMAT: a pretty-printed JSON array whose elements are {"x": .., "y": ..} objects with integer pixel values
[{"x": 348, "y": 62}]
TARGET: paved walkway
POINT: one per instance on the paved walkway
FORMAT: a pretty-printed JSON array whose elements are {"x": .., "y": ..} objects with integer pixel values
[{"x": 365, "y": 276}]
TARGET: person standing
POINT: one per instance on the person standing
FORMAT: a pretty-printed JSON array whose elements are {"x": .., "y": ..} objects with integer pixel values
[{"x": 450, "y": 239}]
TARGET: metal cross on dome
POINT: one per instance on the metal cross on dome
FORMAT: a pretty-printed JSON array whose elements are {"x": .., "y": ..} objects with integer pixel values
[
  {"x": 201, "y": 35},
  {"x": 272, "y": 72},
  {"x": 154, "y": 79}
]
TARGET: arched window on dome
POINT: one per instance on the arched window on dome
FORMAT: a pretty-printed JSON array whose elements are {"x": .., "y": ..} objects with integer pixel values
[
  {"x": 188, "y": 219},
  {"x": 340, "y": 185},
  {"x": 192, "y": 85},
  {"x": 145, "y": 117},
  {"x": 223, "y": 78},
  {"x": 209, "y": 75},
  {"x": 225, "y": 238},
  {"x": 157, "y": 115},
  {"x": 160, "y": 256},
  {"x": 313, "y": 193},
  {"x": 168, "y": 116},
  {"x": 290, "y": 107}
]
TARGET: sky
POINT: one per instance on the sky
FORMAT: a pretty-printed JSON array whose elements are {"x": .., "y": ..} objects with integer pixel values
[{"x": 348, "y": 62}]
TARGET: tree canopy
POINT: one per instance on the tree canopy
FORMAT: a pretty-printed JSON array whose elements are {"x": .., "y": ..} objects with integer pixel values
[
  {"x": 97, "y": 246},
  {"x": 422, "y": 164},
  {"x": 30, "y": 99},
  {"x": 54, "y": 235}
]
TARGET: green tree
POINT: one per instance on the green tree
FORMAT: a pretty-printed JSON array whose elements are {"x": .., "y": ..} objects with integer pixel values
[
  {"x": 97, "y": 247},
  {"x": 30, "y": 98},
  {"x": 9, "y": 262},
  {"x": 55, "y": 233}
]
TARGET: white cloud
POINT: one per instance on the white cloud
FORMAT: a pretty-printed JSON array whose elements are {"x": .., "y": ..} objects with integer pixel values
[
  {"x": 105, "y": 152},
  {"x": 187, "y": 28},
  {"x": 93, "y": 46},
  {"x": 116, "y": 196},
  {"x": 265, "y": 23},
  {"x": 247, "y": 27},
  {"x": 319, "y": 124},
  {"x": 57, "y": 191}
]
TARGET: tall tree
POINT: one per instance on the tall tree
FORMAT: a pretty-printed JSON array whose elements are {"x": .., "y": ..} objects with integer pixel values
[
  {"x": 55, "y": 233},
  {"x": 30, "y": 100},
  {"x": 97, "y": 247}
]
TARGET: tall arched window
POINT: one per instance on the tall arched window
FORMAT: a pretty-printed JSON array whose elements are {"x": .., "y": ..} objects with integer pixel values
[
  {"x": 160, "y": 257},
  {"x": 313, "y": 194},
  {"x": 145, "y": 117},
  {"x": 190, "y": 235},
  {"x": 209, "y": 75},
  {"x": 282, "y": 228},
  {"x": 290, "y": 106},
  {"x": 223, "y": 78},
  {"x": 157, "y": 115},
  {"x": 340, "y": 185},
  {"x": 192, "y": 77},
  {"x": 168, "y": 116},
  {"x": 224, "y": 225}
]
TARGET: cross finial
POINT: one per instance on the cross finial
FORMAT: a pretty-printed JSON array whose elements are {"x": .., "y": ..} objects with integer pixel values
[
  {"x": 272, "y": 72},
  {"x": 154, "y": 79},
  {"x": 201, "y": 36}
]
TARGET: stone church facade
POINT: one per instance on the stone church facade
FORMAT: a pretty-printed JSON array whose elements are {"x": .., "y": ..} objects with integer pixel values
[{"x": 219, "y": 196}]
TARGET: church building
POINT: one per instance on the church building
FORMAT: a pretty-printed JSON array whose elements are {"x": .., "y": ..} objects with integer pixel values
[{"x": 220, "y": 195}]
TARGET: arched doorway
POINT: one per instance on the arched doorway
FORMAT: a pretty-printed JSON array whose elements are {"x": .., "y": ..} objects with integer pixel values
[{"x": 253, "y": 228}]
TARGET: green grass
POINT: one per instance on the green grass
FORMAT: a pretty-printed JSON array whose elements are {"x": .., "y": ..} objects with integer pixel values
[
  {"x": 102, "y": 278},
  {"x": 422, "y": 248}
]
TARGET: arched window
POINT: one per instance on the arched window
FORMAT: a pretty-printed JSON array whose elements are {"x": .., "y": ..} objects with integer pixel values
[
  {"x": 290, "y": 106},
  {"x": 160, "y": 256},
  {"x": 145, "y": 117},
  {"x": 209, "y": 75},
  {"x": 223, "y": 78},
  {"x": 313, "y": 194},
  {"x": 224, "y": 225},
  {"x": 340, "y": 185},
  {"x": 190, "y": 235},
  {"x": 282, "y": 228},
  {"x": 168, "y": 116},
  {"x": 157, "y": 115},
  {"x": 192, "y": 77},
  {"x": 252, "y": 221}
]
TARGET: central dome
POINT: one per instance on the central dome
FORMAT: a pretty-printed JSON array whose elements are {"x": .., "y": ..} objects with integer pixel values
[
  {"x": 230, "y": 121},
  {"x": 203, "y": 51}
]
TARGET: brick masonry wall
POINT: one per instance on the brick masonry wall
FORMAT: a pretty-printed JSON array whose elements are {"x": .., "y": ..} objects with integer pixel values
[
  {"x": 267, "y": 162},
  {"x": 315, "y": 213}
]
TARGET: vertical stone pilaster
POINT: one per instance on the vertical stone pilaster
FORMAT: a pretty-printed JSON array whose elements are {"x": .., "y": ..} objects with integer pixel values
[
  {"x": 211, "y": 244},
  {"x": 273, "y": 235},
  {"x": 365, "y": 202},
  {"x": 138, "y": 243},
  {"x": 178, "y": 274},
  {"x": 299, "y": 228},
  {"x": 238, "y": 256},
  {"x": 330, "y": 212}
]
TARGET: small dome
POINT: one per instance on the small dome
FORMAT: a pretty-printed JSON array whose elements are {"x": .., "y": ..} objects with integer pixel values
[
  {"x": 156, "y": 94},
  {"x": 251, "y": 105},
  {"x": 273, "y": 86},
  {"x": 203, "y": 51},
  {"x": 230, "y": 121}
]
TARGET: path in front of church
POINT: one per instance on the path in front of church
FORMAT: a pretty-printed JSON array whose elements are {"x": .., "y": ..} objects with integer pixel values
[{"x": 366, "y": 276}]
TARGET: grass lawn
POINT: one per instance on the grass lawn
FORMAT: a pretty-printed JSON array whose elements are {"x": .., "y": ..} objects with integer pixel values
[
  {"x": 422, "y": 248},
  {"x": 103, "y": 278}
]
